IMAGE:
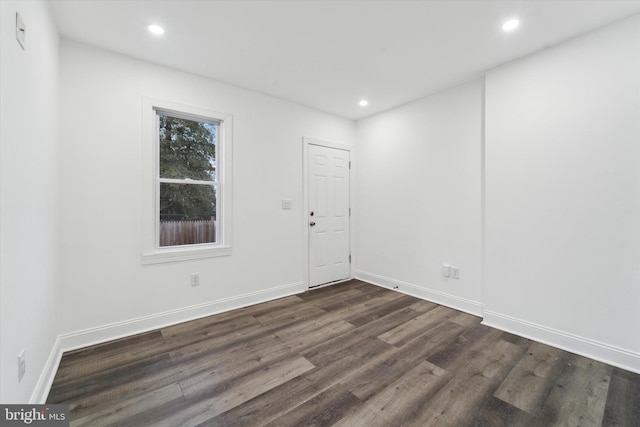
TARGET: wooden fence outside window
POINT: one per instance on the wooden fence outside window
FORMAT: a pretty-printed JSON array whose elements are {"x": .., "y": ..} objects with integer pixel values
[{"x": 176, "y": 233}]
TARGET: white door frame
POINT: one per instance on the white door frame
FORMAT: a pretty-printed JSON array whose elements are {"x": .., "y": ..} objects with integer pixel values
[{"x": 306, "y": 142}]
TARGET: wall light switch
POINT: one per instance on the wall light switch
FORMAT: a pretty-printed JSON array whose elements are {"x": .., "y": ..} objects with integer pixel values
[
  {"x": 446, "y": 270},
  {"x": 455, "y": 273},
  {"x": 21, "y": 32}
]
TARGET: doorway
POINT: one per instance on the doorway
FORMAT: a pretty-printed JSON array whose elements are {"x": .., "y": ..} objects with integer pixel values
[{"x": 328, "y": 213}]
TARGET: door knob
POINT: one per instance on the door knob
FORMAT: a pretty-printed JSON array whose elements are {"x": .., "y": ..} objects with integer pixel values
[{"x": 312, "y": 223}]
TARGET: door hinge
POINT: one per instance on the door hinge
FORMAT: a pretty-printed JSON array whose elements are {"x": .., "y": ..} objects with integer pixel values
[
  {"x": 349, "y": 258},
  {"x": 349, "y": 211},
  {"x": 349, "y": 164}
]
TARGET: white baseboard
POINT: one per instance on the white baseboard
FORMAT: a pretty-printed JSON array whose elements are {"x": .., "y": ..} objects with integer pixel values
[
  {"x": 47, "y": 375},
  {"x": 606, "y": 353},
  {"x": 100, "y": 334},
  {"x": 595, "y": 350},
  {"x": 455, "y": 302}
]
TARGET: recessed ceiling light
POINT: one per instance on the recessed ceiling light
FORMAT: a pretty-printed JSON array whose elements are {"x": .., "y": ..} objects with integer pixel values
[
  {"x": 511, "y": 25},
  {"x": 156, "y": 29},
  {"x": 363, "y": 103}
]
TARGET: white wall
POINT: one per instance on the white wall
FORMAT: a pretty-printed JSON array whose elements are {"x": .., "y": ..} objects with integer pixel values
[
  {"x": 563, "y": 195},
  {"x": 103, "y": 281},
  {"x": 561, "y": 224},
  {"x": 28, "y": 190},
  {"x": 562, "y": 235},
  {"x": 419, "y": 197}
]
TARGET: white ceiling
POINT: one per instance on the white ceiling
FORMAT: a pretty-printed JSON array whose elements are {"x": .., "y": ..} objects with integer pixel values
[{"x": 329, "y": 54}]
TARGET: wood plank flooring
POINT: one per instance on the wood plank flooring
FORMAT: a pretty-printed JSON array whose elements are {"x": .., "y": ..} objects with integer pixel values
[{"x": 348, "y": 355}]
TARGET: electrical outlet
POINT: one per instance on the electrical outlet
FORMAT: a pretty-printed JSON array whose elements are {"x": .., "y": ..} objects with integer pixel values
[
  {"x": 455, "y": 273},
  {"x": 446, "y": 270},
  {"x": 195, "y": 279},
  {"x": 22, "y": 365}
]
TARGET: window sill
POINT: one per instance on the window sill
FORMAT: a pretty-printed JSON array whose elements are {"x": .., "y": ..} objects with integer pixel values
[{"x": 161, "y": 256}]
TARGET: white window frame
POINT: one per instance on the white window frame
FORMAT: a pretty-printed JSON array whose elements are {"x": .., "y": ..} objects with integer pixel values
[{"x": 152, "y": 253}]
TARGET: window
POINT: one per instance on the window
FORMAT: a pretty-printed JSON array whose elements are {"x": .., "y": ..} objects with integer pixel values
[
  {"x": 187, "y": 180},
  {"x": 187, "y": 153}
]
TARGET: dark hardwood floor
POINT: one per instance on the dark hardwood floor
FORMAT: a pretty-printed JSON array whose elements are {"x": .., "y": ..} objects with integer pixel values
[{"x": 349, "y": 355}]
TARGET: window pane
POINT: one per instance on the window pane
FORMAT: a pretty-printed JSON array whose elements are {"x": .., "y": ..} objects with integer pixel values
[
  {"x": 187, "y": 148},
  {"x": 187, "y": 214}
]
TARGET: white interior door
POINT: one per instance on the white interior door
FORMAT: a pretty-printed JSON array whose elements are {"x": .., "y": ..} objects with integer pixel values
[{"x": 329, "y": 211}]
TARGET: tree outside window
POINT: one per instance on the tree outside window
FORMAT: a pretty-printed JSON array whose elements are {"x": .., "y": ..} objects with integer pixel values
[{"x": 187, "y": 180}]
